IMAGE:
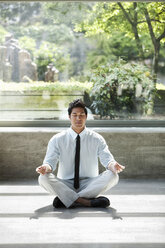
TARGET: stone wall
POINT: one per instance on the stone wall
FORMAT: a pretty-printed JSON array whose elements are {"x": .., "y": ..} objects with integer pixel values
[{"x": 141, "y": 150}]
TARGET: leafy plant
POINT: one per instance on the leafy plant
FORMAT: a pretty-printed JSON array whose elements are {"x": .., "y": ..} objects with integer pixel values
[{"x": 121, "y": 89}]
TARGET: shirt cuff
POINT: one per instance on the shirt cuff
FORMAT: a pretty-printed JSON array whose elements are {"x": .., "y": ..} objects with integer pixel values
[
  {"x": 111, "y": 165},
  {"x": 47, "y": 170}
]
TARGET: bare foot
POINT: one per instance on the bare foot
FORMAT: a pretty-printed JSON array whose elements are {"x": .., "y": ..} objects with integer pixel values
[{"x": 83, "y": 201}]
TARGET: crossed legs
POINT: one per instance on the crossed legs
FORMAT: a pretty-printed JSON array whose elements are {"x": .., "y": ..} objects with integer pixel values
[{"x": 89, "y": 188}]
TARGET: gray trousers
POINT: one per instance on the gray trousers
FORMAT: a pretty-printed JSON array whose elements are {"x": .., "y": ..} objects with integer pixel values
[{"x": 89, "y": 187}]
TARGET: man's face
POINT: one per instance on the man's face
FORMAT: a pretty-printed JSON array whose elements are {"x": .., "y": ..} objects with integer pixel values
[{"x": 78, "y": 118}]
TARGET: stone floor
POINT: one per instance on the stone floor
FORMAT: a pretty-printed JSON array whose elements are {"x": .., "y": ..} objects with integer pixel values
[{"x": 136, "y": 218}]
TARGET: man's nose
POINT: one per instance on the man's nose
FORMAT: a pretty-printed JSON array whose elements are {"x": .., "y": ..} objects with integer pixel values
[{"x": 78, "y": 117}]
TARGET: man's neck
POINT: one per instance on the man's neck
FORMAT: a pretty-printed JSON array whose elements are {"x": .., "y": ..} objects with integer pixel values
[{"x": 78, "y": 130}]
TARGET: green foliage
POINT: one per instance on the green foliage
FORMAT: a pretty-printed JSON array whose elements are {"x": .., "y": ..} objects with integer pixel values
[
  {"x": 46, "y": 22},
  {"x": 28, "y": 43},
  {"x": 3, "y": 32},
  {"x": 50, "y": 53},
  {"x": 69, "y": 87},
  {"x": 18, "y": 13},
  {"x": 121, "y": 89},
  {"x": 106, "y": 17},
  {"x": 70, "y": 12},
  {"x": 138, "y": 20},
  {"x": 66, "y": 25},
  {"x": 107, "y": 49},
  {"x": 63, "y": 87},
  {"x": 156, "y": 12},
  {"x": 59, "y": 34}
]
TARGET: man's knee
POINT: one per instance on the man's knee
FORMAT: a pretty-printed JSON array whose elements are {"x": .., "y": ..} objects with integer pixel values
[
  {"x": 43, "y": 179},
  {"x": 113, "y": 177},
  {"x": 116, "y": 178},
  {"x": 47, "y": 179}
]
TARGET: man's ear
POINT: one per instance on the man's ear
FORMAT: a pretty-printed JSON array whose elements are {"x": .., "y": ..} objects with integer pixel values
[{"x": 69, "y": 116}]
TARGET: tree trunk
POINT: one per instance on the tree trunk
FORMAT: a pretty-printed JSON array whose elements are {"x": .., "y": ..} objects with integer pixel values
[
  {"x": 138, "y": 42},
  {"x": 156, "y": 60},
  {"x": 156, "y": 44},
  {"x": 134, "y": 24}
]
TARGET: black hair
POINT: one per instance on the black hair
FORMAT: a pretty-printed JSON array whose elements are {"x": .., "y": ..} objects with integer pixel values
[{"x": 78, "y": 103}]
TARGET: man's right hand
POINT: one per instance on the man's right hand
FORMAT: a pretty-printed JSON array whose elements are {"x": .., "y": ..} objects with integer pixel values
[{"x": 43, "y": 169}]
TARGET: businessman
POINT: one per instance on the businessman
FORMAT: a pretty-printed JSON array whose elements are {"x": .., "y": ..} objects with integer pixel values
[{"x": 77, "y": 149}]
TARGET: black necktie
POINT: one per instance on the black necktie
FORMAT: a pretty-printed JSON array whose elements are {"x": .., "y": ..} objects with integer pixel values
[{"x": 77, "y": 162}]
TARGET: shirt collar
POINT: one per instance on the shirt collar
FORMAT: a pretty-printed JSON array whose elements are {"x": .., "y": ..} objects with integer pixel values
[{"x": 74, "y": 134}]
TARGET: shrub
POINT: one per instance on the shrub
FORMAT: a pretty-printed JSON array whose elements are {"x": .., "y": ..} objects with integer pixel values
[
  {"x": 121, "y": 90},
  {"x": 69, "y": 87}
]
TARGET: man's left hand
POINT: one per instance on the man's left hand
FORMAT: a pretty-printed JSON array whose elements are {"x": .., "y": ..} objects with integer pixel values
[
  {"x": 116, "y": 167},
  {"x": 119, "y": 168}
]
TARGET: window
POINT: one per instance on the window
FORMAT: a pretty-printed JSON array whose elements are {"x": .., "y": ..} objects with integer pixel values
[{"x": 54, "y": 52}]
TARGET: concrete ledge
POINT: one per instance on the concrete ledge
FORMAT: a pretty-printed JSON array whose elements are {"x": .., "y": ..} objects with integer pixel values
[
  {"x": 90, "y": 123},
  {"x": 141, "y": 150}
]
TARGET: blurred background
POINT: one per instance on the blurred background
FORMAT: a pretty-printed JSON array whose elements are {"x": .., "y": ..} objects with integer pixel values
[{"x": 112, "y": 55}]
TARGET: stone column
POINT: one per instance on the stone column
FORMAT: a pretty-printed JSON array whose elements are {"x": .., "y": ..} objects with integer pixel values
[
  {"x": 27, "y": 68},
  {"x": 15, "y": 72},
  {"x": 3, "y": 51},
  {"x": 7, "y": 72},
  {"x": 33, "y": 71},
  {"x": 23, "y": 55},
  {"x": 12, "y": 55}
]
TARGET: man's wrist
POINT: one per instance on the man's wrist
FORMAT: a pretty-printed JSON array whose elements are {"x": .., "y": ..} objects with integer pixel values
[
  {"x": 48, "y": 168},
  {"x": 111, "y": 165}
]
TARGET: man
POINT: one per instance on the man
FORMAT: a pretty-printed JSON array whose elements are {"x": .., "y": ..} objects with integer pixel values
[{"x": 77, "y": 150}]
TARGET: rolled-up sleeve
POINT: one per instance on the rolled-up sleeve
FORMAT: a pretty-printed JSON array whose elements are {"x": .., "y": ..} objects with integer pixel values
[
  {"x": 104, "y": 154},
  {"x": 52, "y": 153}
]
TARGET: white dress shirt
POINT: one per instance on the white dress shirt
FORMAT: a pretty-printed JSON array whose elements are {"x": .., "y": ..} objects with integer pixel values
[{"x": 61, "y": 148}]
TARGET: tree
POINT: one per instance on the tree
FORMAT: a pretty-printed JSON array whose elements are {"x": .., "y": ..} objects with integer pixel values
[
  {"x": 157, "y": 32},
  {"x": 105, "y": 50},
  {"x": 18, "y": 13},
  {"x": 70, "y": 13},
  {"x": 135, "y": 19}
]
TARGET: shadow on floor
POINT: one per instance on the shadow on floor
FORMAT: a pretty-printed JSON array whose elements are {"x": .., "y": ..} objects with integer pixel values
[{"x": 64, "y": 213}]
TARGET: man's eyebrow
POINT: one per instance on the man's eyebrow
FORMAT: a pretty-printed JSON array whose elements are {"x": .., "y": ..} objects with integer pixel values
[{"x": 78, "y": 112}]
